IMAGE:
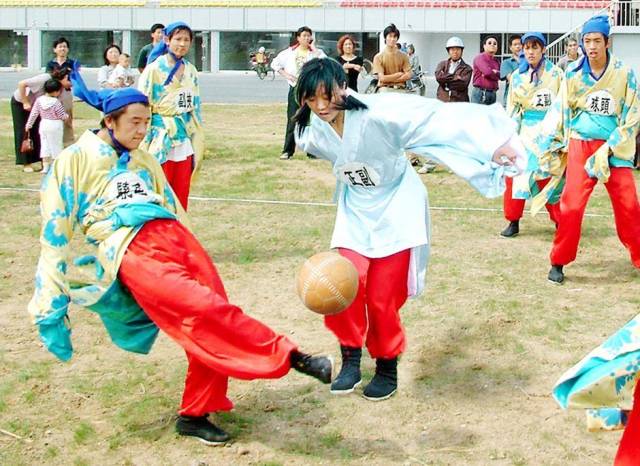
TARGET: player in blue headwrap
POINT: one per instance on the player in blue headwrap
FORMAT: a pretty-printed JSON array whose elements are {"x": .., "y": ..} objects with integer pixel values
[
  {"x": 151, "y": 273},
  {"x": 534, "y": 85},
  {"x": 175, "y": 135},
  {"x": 595, "y": 120}
]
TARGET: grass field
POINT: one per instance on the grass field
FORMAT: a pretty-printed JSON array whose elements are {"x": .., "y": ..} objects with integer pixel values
[{"x": 486, "y": 342}]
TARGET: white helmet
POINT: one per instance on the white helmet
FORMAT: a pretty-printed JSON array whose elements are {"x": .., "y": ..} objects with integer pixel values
[
  {"x": 261, "y": 50},
  {"x": 454, "y": 42}
]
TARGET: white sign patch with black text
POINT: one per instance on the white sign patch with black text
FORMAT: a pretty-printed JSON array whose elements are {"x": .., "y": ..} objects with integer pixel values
[
  {"x": 184, "y": 101},
  {"x": 359, "y": 174},
  {"x": 129, "y": 188},
  {"x": 542, "y": 99},
  {"x": 601, "y": 103}
]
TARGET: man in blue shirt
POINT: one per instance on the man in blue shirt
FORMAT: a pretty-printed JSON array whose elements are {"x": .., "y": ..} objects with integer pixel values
[{"x": 509, "y": 65}]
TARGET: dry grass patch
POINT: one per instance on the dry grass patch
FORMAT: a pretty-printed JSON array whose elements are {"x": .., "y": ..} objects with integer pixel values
[{"x": 486, "y": 341}]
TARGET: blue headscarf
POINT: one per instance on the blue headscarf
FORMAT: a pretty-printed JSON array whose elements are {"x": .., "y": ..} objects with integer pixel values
[
  {"x": 523, "y": 65},
  {"x": 162, "y": 48},
  {"x": 596, "y": 24},
  {"x": 107, "y": 101}
]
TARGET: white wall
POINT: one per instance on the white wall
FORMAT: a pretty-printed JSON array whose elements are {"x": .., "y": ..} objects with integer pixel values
[
  {"x": 430, "y": 20},
  {"x": 625, "y": 46}
]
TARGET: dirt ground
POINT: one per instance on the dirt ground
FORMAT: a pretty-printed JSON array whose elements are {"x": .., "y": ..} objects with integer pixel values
[{"x": 486, "y": 342}]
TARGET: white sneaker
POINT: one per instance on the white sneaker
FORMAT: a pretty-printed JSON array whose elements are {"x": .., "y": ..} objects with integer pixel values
[{"x": 426, "y": 169}]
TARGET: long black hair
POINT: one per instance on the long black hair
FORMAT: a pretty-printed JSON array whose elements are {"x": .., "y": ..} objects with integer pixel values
[{"x": 328, "y": 74}]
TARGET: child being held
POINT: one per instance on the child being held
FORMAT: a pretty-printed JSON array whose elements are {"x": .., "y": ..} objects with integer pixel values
[
  {"x": 52, "y": 116},
  {"x": 123, "y": 75}
]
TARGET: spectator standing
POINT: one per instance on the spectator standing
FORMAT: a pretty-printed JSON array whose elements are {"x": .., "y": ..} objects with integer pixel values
[
  {"x": 391, "y": 65},
  {"x": 571, "y": 55},
  {"x": 61, "y": 51},
  {"x": 52, "y": 115},
  {"x": 21, "y": 102},
  {"x": 508, "y": 66},
  {"x": 453, "y": 74},
  {"x": 486, "y": 73},
  {"x": 288, "y": 64},
  {"x": 111, "y": 56},
  {"x": 156, "y": 37},
  {"x": 351, "y": 63}
]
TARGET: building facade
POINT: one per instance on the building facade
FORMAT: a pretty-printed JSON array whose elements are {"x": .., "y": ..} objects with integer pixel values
[{"x": 227, "y": 32}]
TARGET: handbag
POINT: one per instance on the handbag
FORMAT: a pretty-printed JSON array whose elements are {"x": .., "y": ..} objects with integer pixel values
[{"x": 27, "y": 143}]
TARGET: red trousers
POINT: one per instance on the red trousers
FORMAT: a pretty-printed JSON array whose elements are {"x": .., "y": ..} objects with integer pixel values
[
  {"x": 172, "y": 278},
  {"x": 179, "y": 177},
  {"x": 374, "y": 316},
  {"x": 514, "y": 208},
  {"x": 629, "y": 448},
  {"x": 573, "y": 202}
]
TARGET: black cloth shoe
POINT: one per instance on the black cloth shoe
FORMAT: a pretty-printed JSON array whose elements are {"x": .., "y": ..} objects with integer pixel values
[
  {"x": 316, "y": 366},
  {"x": 200, "y": 428},
  {"x": 311, "y": 156},
  {"x": 349, "y": 377},
  {"x": 556, "y": 275},
  {"x": 512, "y": 230},
  {"x": 385, "y": 382}
]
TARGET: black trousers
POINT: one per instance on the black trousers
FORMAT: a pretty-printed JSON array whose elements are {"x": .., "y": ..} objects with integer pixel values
[
  {"x": 20, "y": 117},
  {"x": 292, "y": 107}
]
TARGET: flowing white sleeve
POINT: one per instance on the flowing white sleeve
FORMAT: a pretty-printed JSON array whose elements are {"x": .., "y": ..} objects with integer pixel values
[{"x": 462, "y": 136}]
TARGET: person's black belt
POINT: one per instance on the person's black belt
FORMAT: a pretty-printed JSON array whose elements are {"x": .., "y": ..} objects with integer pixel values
[
  {"x": 397, "y": 86},
  {"x": 485, "y": 90}
]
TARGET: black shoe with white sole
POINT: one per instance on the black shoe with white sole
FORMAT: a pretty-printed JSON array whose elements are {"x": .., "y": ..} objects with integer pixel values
[
  {"x": 349, "y": 377},
  {"x": 385, "y": 382},
  {"x": 200, "y": 428},
  {"x": 556, "y": 275}
]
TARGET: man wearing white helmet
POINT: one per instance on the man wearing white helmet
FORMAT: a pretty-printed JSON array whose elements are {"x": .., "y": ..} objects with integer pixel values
[
  {"x": 453, "y": 74},
  {"x": 261, "y": 58}
]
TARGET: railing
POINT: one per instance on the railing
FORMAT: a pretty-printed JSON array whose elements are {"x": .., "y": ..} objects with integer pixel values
[
  {"x": 626, "y": 13},
  {"x": 557, "y": 48},
  {"x": 621, "y": 13}
]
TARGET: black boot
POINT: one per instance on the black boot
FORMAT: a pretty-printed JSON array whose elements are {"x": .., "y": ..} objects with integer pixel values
[
  {"x": 556, "y": 275},
  {"x": 385, "y": 383},
  {"x": 512, "y": 229},
  {"x": 200, "y": 428},
  {"x": 316, "y": 366},
  {"x": 349, "y": 377}
]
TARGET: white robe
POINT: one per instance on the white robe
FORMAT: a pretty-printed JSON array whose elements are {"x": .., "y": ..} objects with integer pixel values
[{"x": 382, "y": 203}]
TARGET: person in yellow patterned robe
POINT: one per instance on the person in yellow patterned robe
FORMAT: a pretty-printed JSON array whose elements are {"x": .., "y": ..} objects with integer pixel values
[
  {"x": 175, "y": 135},
  {"x": 595, "y": 119},
  {"x": 534, "y": 86},
  {"x": 151, "y": 272}
]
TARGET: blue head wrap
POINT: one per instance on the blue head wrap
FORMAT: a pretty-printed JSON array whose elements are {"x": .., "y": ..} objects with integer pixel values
[
  {"x": 597, "y": 24},
  {"x": 107, "y": 101},
  {"x": 162, "y": 48},
  {"x": 523, "y": 65}
]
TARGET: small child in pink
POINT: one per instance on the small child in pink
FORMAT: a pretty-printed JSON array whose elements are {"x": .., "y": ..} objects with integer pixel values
[{"x": 52, "y": 116}]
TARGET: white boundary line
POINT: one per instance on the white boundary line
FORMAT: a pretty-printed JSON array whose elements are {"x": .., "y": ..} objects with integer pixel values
[{"x": 297, "y": 203}]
